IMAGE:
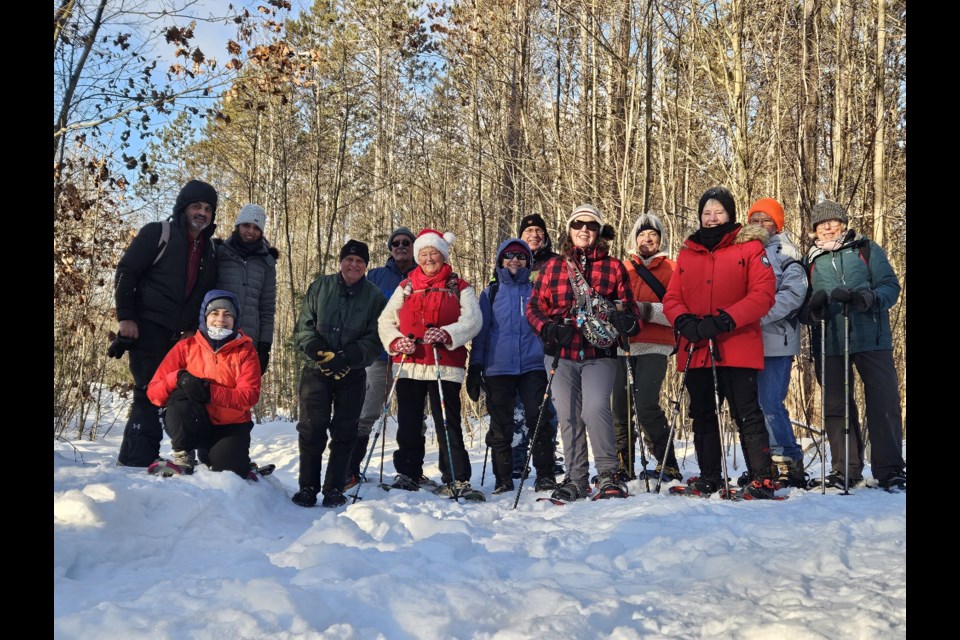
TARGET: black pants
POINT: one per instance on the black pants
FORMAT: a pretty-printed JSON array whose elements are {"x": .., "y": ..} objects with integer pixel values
[
  {"x": 882, "y": 396},
  {"x": 648, "y": 373},
  {"x": 319, "y": 395},
  {"x": 408, "y": 458},
  {"x": 189, "y": 427},
  {"x": 142, "y": 433},
  {"x": 738, "y": 386},
  {"x": 501, "y": 391}
]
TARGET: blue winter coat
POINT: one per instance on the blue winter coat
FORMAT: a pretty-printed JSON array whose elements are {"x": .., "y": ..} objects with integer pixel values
[
  {"x": 781, "y": 325},
  {"x": 388, "y": 278},
  {"x": 506, "y": 344}
]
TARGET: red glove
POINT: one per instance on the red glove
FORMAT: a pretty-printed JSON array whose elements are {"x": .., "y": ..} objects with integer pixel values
[
  {"x": 403, "y": 345},
  {"x": 436, "y": 334}
]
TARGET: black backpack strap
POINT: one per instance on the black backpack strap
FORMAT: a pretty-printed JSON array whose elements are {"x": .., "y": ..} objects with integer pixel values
[{"x": 651, "y": 281}]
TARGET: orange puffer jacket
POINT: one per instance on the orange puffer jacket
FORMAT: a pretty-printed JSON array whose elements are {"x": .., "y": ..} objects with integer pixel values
[{"x": 233, "y": 372}]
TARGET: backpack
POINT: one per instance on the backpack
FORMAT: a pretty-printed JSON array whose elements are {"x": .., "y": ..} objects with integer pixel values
[{"x": 164, "y": 240}]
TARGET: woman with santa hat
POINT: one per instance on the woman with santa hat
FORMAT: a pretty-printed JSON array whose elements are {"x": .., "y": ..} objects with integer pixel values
[{"x": 425, "y": 327}]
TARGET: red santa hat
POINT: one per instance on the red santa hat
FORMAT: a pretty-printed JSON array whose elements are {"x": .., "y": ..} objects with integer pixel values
[{"x": 433, "y": 238}]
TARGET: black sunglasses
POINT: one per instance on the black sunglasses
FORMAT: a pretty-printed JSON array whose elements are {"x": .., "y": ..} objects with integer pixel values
[
  {"x": 576, "y": 225},
  {"x": 514, "y": 255},
  {"x": 400, "y": 243}
]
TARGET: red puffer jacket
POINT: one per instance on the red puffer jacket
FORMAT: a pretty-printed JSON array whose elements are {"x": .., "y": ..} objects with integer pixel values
[
  {"x": 234, "y": 372},
  {"x": 735, "y": 277}
]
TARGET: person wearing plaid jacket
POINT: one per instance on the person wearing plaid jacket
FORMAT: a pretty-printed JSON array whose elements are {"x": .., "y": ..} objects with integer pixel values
[{"x": 585, "y": 373}]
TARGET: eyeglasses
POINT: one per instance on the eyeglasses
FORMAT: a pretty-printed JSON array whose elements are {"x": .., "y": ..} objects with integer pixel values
[
  {"x": 576, "y": 225},
  {"x": 514, "y": 255},
  {"x": 400, "y": 243}
]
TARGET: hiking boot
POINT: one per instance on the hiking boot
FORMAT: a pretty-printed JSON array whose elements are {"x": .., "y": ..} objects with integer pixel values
[
  {"x": 568, "y": 491},
  {"x": 611, "y": 485},
  {"x": 332, "y": 498},
  {"x": 506, "y": 487},
  {"x": 306, "y": 497},
  {"x": 545, "y": 483},
  {"x": 894, "y": 480},
  {"x": 789, "y": 472},
  {"x": 744, "y": 479},
  {"x": 405, "y": 482},
  {"x": 457, "y": 488},
  {"x": 354, "y": 480},
  {"x": 835, "y": 480},
  {"x": 703, "y": 486},
  {"x": 669, "y": 473},
  {"x": 761, "y": 490},
  {"x": 185, "y": 461}
]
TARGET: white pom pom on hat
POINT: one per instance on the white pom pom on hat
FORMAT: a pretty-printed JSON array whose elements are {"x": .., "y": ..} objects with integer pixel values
[{"x": 433, "y": 238}]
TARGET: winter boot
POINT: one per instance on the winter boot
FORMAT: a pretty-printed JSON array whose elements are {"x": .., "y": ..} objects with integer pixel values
[
  {"x": 703, "y": 485},
  {"x": 405, "y": 483},
  {"x": 458, "y": 488},
  {"x": 357, "y": 456},
  {"x": 835, "y": 480},
  {"x": 669, "y": 473},
  {"x": 744, "y": 479},
  {"x": 184, "y": 460},
  {"x": 504, "y": 487},
  {"x": 353, "y": 480},
  {"x": 896, "y": 480},
  {"x": 610, "y": 485},
  {"x": 306, "y": 497},
  {"x": 788, "y": 472},
  {"x": 545, "y": 483},
  {"x": 568, "y": 491},
  {"x": 333, "y": 498}
]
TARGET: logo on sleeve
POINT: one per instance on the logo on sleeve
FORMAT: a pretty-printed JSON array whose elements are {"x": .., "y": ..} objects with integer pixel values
[{"x": 764, "y": 261}]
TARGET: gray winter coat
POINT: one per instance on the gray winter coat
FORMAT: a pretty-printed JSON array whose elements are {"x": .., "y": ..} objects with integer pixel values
[
  {"x": 253, "y": 279},
  {"x": 781, "y": 327}
]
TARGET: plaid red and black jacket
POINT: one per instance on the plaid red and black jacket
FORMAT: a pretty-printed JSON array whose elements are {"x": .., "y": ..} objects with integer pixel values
[{"x": 552, "y": 299}]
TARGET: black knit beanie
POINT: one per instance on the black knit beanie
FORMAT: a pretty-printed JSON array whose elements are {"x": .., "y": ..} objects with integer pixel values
[
  {"x": 355, "y": 248},
  {"x": 195, "y": 191},
  {"x": 721, "y": 195}
]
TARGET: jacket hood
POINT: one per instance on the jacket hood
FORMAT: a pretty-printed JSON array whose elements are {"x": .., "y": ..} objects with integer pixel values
[
  {"x": 647, "y": 219},
  {"x": 213, "y": 294},
  {"x": 750, "y": 232},
  {"x": 497, "y": 269}
]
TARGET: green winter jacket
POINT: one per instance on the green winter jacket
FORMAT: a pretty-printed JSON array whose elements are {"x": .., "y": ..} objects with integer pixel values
[
  {"x": 847, "y": 267},
  {"x": 335, "y": 317}
]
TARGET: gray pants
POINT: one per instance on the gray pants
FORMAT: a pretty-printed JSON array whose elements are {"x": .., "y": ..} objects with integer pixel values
[
  {"x": 581, "y": 394},
  {"x": 379, "y": 377}
]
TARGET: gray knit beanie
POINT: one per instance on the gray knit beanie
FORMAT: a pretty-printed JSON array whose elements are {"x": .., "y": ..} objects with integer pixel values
[
  {"x": 221, "y": 303},
  {"x": 401, "y": 231},
  {"x": 827, "y": 210}
]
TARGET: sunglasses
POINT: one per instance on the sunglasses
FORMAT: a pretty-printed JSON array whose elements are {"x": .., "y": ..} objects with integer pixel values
[
  {"x": 400, "y": 243},
  {"x": 576, "y": 225},
  {"x": 514, "y": 255}
]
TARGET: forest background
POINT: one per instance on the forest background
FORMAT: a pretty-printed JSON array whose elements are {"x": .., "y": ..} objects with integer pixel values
[{"x": 348, "y": 118}]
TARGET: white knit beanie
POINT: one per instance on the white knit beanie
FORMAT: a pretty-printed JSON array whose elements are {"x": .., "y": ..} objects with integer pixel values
[{"x": 254, "y": 214}]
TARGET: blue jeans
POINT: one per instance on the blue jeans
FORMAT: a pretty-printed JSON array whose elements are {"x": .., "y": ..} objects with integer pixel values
[{"x": 772, "y": 383}]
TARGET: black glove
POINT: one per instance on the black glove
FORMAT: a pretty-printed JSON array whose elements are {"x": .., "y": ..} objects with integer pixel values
[
  {"x": 354, "y": 355},
  {"x": 558, "y": 333},
  {"x": 626, "y": 323},
  {"x": 197, "y": 389},
  {"x": 687, "y": 325},
  {"x": 336, "y": 367},
  {"x": 712, "y": 326},
  {"x": 817, "y": 307},
  {"x": 316, "y": 348},
  {"x": 842, "y": 295},
  {"x": 119, "y": 346},
  {"x": 263, "y": 354},
  {"x": 863, "y": 300},
  {"x": 474, "y": 381}
]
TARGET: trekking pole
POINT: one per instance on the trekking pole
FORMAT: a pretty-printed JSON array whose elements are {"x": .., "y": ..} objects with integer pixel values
[
  {"x": 380, "y": 425},
  {"x": 446, "y": 425},
  {"x": 483, "y": 474},
  {"x": 846, "y": 398},
  {"x": 633, "y": 415},
  {"x": 676, "y": 415},
  {"x": 823, "y": 404},
  {"x": 716, "y": 400},
  {"x": 536, "y": 429}
]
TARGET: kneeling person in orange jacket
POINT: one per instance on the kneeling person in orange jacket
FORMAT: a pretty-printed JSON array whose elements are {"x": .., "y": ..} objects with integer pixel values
[{"x": 208, "y": 383}]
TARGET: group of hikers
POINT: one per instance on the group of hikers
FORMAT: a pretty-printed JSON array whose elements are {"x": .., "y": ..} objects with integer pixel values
[{"x": 575, "y": 338}]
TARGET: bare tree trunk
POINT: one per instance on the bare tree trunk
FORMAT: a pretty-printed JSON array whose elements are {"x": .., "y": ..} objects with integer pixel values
[
  {"x": 809, "y": 96},
  {"x": 879, "y": 150}
]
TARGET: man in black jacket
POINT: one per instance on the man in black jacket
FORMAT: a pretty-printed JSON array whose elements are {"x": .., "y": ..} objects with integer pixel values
[{"x": 159, "y": 285}]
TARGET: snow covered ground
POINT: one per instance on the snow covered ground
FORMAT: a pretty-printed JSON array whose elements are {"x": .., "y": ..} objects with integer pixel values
[{"x": 214, "y": 556}]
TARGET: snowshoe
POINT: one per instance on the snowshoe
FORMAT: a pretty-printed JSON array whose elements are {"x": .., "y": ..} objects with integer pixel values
[
  {"x": 894, "y": 482},
  {"x": 506, "y": 487},
  {"x": 401, "y": 482},
  {"x": 263, "y": 470},
  {"x": 568, "y": 491},
  {"x": 698, "y": 487},
  {"x": 460, "y": 489},
  {"x": 180, "y": 463},
  {"x": 545, "y": 483},
  {"x": 834, "y": 480},
  {"x": 760, "y": 490},
  {"x": 669, "y": 473},
  {"x": 609, "y": 485},
  {"x": 426, "y": 482}
]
